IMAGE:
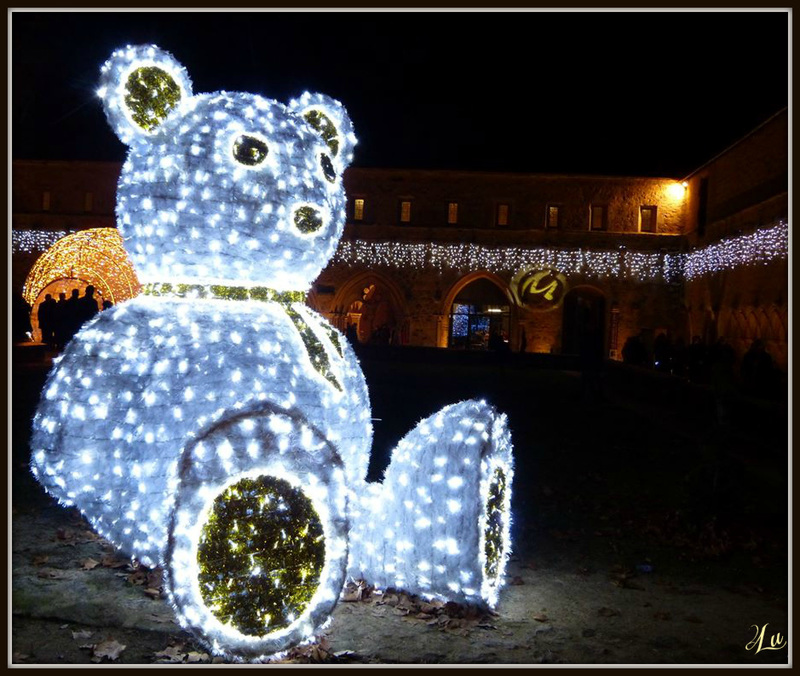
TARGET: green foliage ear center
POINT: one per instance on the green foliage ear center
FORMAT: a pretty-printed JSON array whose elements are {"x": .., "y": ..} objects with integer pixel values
[
  {"x": 325, "y": 128},
  {"x": 150, "y": 94}
]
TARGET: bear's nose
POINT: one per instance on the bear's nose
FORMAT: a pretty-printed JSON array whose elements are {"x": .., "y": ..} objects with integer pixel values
[{"x": 308, "y": 219}]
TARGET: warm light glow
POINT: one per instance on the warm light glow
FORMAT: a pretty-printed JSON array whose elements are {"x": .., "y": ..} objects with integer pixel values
[
  {"x": 676, "y": 190},
  {"x": 96, "y": 256}
]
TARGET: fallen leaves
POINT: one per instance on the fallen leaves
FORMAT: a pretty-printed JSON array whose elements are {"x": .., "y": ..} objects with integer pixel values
[
  {"x": 72, "y": 536},
  {"x": 108, "y": 649},
  {"x": 541, "y": 617},
  {"x": 356, "y": 591},
  {"x": 89, "y": 564},
  {"x": 435, "y": 613},
  {"x": 52, "y": 574},
  {"x": 150, "y": 579},
  {"x": 178, "y": 654},
  {"x": 623, "y": 578},
  {"x": 316, "y": 653}
]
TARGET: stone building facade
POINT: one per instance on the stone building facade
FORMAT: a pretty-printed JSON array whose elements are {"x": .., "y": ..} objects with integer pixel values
[{"x": 544, "y": 263}]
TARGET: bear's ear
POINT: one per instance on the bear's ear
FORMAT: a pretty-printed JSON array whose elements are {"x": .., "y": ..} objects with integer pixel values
[
  {"x": 330, "y": 120},
  {"x": 141, "y": 87}
]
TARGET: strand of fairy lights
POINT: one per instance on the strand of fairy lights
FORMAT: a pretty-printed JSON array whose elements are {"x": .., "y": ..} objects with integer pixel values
[
  {"x": 35, "y": 241},
  {"x": 761, "y": 246}
]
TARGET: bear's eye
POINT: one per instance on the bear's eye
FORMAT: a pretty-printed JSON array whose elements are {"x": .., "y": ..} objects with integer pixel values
[
  {"x": 327, "y": 168},
  {"x": 249, "y": 150},
  {"x": 308, "y": 220}
]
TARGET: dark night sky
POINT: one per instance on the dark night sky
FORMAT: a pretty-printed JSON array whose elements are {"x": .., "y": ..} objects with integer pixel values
[{"x": 608, "y": 93}]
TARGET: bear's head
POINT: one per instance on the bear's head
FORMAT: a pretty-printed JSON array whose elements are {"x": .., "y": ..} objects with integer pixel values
[{"x": 224, "y": 188}]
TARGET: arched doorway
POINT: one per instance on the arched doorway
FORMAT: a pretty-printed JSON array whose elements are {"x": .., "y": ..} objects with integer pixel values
[
  {"x": 371, "y": 307},
  {"x": 584, "y": 322},
  {"x": 480, "y": 317},
  {"x": 95, "y": 256}
]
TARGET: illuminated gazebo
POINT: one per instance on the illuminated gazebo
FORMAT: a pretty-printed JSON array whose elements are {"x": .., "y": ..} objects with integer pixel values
[{"x": 95, "y": 256}]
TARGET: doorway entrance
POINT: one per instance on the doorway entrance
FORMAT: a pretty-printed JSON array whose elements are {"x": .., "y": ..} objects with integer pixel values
[
  {"x": 584, "y": 323},
  {"x": 480, "y": 317}
]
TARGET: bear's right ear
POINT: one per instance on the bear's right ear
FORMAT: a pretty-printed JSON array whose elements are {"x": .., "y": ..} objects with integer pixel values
[{"x": 141, "y": 87}]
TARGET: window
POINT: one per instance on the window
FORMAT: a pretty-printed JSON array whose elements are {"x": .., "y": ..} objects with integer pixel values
[
  {"x": 46, "y": 200},
  {"x": 452, "y": 213},
  {"x": 553, "y": 217},
  {"x": 88, "y": 198},
  {"x": 599, "y": 217},
  {"x": 502, "y": 214},
  {"x": 647, "y": 219},
  {"x": 358, "y": 210},
  {"x": 405, "y": 211}
]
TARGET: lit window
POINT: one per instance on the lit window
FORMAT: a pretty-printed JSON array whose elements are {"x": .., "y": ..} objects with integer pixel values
[
  {"x": 358, "y": 210},
  {"x": 46, "y": 200},
  {"x": 88, "y": 199},
  {"x": 553, "y": 216},
  {"x": 502, "y": 214},
  {"x": 405, "y": 211},
  {"x": 452, "y": 213},
  {"x": 599, "y": 217},
  {"x": 647, "y": 219}
]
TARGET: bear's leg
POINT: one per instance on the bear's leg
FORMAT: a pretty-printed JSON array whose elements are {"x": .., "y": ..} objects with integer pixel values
[
  {"x": 438, "y": 525},
  {"x": 258, "y": 537}
]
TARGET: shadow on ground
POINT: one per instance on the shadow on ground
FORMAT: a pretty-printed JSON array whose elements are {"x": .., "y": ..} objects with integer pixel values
[{"x": 644, "y": 531}]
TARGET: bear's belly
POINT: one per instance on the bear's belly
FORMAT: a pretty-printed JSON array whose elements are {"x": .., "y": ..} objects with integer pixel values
[{"x": 145, "y": 378}]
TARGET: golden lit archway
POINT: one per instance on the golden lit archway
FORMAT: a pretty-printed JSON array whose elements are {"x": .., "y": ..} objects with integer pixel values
[{"x": 95, "y": 256}]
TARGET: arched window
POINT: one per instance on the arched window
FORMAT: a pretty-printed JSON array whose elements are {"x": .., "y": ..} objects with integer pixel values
[{"x": 480, "y": 317}]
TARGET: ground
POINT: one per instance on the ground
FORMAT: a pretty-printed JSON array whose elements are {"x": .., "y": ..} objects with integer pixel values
[{"x": 647, "y": 530}]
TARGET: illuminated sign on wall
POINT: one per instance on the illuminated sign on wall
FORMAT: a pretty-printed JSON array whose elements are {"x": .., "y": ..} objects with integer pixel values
[{"x": 540, "y": 289}]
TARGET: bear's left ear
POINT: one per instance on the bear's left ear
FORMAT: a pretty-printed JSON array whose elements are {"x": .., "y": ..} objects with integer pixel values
[
  {"x": 142, "y": 86},
  {"x": 330, "y": 120}
]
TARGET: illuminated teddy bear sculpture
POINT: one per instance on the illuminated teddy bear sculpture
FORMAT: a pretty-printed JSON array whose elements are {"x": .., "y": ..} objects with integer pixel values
[{"x": 216, "y": 426}]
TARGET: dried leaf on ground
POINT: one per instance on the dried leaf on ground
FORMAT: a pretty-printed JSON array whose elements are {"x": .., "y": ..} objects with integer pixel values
[
  {"x": 153, "y": 593},
  {"x": 52, "y": 574},
  {"x": 195, "y": 657},
  {"x": 40, "y": 559},
  {"x": 137, "y": 577},
  {"x": 109, "y": 649},
  {"x": 173, "y": 654},
  {"x": 19, "y": 657},
  {"x": 82, "y": 635},
  {"x": 356, "y": 591},
  {"x": 111, "y": 561},
  {"x": 541, "y": 617},
  {"x": 89, "y": 563}
]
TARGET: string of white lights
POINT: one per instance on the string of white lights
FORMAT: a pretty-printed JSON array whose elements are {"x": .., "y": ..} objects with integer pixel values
[
  {"x": 35, "y": 241},
  {"x": 757, "y": 248},
  {"x": 761, "y": 246}
]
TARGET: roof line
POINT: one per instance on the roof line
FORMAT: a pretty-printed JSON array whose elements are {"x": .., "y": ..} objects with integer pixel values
[{"x": 736, "y": 143}]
